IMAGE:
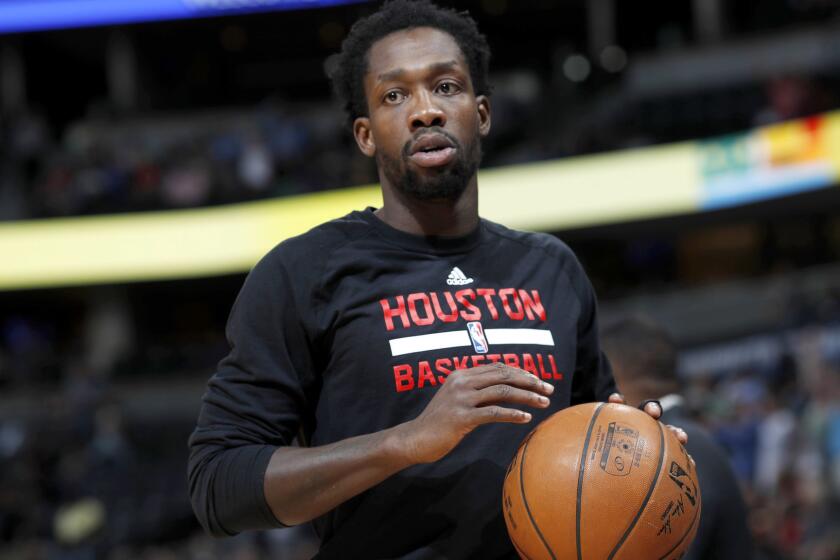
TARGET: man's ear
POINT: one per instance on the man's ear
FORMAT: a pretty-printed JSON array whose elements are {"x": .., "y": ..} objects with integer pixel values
[
  {"x": 364, "y": 136},
  {"x": 483, "y": 115}
]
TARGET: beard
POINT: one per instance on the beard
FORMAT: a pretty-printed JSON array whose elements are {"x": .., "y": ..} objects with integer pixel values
[{"x": 446, "y": 183}]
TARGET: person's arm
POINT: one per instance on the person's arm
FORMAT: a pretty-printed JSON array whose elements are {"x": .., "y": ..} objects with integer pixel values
[
  {"x": 304, "y": 483},
  {"x": 244, "y": 474},
  {"x": 254, "y": 403}
]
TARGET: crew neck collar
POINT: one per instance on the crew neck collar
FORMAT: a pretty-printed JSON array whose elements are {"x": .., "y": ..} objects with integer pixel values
[{"x": 424, "y": 243}]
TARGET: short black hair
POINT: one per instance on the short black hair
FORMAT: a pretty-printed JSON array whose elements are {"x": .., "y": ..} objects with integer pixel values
[
  {"x": 348, "y": 70},
  {"x": 641, "y": 347}
]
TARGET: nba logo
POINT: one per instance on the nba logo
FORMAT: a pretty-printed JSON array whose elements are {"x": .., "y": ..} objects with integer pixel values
[{"x": 477, "y": 337}]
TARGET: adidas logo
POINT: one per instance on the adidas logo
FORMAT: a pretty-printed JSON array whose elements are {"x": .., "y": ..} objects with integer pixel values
[{"x": 458, "y": 278}]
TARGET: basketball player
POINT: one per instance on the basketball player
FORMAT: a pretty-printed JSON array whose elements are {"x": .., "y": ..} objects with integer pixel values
[
  {"x": 411, "y": 347},
  {"x": 644, "y": 360}
]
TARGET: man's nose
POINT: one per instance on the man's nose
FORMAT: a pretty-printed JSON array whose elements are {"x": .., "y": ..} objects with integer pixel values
[{"x": 426, "y": 113}]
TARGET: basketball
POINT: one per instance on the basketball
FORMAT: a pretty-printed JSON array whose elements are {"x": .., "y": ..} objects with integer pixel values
[{"x": 599, "y": 481}]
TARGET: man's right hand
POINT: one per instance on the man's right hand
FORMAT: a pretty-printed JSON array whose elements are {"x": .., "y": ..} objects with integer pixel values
[
  {"x": 469, "y": 398},
  {"x": 302, "y": 483}
]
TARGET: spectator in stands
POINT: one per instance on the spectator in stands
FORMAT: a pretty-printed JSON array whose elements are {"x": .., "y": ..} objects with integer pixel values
[
  {"x": 775, "y": 437},
  {"x": 644, "y": 361}
]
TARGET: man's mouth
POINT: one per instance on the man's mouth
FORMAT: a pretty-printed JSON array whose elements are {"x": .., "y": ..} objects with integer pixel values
[
  {"x": 434, "y": 157},
  {"x": 432, "y": 150}
]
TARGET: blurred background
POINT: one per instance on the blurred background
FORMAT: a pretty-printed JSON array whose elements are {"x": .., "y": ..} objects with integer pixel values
[{"x": 689, "y": 152}]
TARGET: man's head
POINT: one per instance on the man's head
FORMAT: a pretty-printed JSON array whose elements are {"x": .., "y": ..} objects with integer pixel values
[
  {"x": 413, "y": 79},
  {"x": 643, "y": 356}
]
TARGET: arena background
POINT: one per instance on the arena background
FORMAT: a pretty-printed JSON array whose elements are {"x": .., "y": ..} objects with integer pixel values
[{"x": 689, "y": 152}]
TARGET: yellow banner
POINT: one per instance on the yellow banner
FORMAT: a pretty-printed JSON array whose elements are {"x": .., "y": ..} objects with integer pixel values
[
  {"x": 161, "y": 245},
  {"x": 592, "y": 190}
]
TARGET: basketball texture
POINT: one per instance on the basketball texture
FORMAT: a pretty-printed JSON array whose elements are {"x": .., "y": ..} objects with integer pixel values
[{"x": 601, "y": 481}]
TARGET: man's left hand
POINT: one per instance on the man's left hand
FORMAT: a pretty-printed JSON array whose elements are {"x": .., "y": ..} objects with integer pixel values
[{"x": 654, "y": 411}]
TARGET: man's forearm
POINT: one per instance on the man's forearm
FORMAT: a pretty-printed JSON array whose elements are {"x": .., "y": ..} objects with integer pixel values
[
  {"x": 301, "y": 484},
  {"x": 304, "y": 483}
]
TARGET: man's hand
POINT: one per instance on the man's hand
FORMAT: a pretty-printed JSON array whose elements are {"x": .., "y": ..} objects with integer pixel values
[
  {"x": 470, "y": 398},
  {"x": 654, "y": 411}
]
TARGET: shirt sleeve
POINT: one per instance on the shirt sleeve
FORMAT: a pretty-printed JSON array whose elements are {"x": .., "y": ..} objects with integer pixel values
[
  {"x": 252, "y": 405},
  {"x": 593, "y": 379}
]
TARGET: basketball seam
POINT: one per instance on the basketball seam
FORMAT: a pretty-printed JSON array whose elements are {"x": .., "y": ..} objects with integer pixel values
[
  {"x": 580, "y": 477},
  {"x": 647, "y": 498},
  {"x": 525, "y": 500},
  {"x": 690, "y": 527}
]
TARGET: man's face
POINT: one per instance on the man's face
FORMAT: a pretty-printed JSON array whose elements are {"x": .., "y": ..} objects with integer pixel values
[{"x": 425, "y": 122}]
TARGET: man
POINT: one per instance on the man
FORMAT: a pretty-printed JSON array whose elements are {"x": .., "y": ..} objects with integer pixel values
[
  {"x": 644, "y": 361},
  {"x": 402, "y": 343}
]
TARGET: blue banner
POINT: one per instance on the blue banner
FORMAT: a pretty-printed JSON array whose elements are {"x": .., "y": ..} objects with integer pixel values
[{"x": 37, "y": 15}]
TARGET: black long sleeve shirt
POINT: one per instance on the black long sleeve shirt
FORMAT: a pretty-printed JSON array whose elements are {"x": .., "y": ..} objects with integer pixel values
[{"x": 350, "y": 329}]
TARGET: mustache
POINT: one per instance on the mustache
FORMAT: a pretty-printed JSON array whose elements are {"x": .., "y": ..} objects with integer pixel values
[{"x": 406, "y": 151}]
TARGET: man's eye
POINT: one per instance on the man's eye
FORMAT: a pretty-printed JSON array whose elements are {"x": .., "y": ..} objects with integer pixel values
[
  {"x": 393, "y": 97},
  {"x": 448, "y": 88}
]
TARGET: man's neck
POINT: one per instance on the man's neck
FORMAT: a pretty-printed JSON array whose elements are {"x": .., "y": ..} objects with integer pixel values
[{"x": 434, "y": 217}]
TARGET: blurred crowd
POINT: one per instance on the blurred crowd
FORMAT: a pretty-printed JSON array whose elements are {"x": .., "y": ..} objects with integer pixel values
[
  {"x": 82, "y": 482},
  {"x": 780, "y": 426},
  {"x": 105, "y": 165},
  {"x": 94, "y": 419},
  {"x": 178, "y": 162}
]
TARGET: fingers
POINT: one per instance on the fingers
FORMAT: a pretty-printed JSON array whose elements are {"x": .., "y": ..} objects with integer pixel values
[
  {"x": 507, "y": 394},
  {"x": 650, "y": 406},
  {"x": 495, "y": 384},
  {"x": 693, "y": 462},
  {"x": 500, "y": 374},
  {"x": 653, "y": 409},
  {"x": 680, "y": 433},
  {"x": 494, "y": 413}
]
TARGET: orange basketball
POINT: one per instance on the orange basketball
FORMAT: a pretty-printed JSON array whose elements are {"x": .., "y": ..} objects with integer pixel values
[{"x": 601, "y": 481}]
